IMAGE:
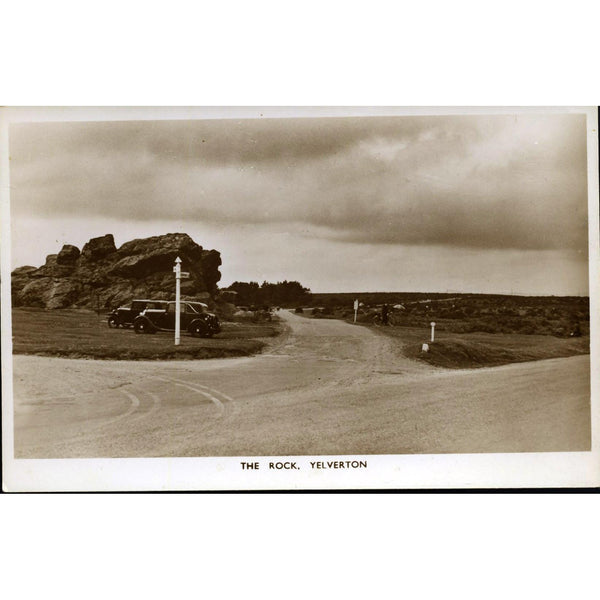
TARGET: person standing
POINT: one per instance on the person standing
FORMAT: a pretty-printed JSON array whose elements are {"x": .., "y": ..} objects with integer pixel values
[{"x": 384, "y": 314}]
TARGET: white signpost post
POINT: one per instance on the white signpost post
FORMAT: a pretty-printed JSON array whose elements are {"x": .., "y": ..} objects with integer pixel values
[
  {"x": 177, "y": 271},
  {"x": 432, "y": 330},
  {"x": 355, "y": 309}
]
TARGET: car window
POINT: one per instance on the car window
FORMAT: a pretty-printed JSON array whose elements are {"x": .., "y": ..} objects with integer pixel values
[
  {"x": 190, "y": 309},
  {"x": 182, "y": 308}
]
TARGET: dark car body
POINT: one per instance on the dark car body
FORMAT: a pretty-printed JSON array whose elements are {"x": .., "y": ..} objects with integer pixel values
[
  {"x": 125, "y": 315},
  {"x": 194, "y": 318}
]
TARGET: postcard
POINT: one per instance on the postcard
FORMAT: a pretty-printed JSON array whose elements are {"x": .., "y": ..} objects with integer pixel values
[{"x": 288, "y": 298}]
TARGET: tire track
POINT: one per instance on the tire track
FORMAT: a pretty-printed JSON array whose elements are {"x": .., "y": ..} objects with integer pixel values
[
  {"x": 156, "y": 404},
  {"x": 135, "y": 405},
  {"x": 212, "y": 398},
  {"x": 226, "y": 406},
  {"x": 203, "y": 387}
]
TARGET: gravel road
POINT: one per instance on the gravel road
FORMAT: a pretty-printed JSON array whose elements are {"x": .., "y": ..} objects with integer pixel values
[{"x": 325, "y": 387}]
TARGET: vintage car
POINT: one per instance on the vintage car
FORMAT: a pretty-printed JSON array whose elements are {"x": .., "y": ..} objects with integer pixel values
[
  {"x": 125, "y": 315},
  {"x": 194, "y": 318}
]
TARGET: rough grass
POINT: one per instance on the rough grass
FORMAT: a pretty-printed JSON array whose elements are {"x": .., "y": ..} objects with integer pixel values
[
  {"x": 83, "y": 334},
  {"x": 468, "y": 313},
  {"x": 473, "y": 350},
  {"x": 473, "y": 330}
]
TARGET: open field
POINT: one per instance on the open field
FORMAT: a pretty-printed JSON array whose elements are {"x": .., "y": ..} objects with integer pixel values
[
  {"x": 468, "y": 313},
  {"x": 83, "y": 334},
  {"x": 480, "y": 349},
  {"x": 473, "y": 330}
]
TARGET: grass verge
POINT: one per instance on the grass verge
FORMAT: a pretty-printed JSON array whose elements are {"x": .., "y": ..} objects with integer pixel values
[
  {"x": 83, "y": 334},
  {"x": 475, "y": 350}
]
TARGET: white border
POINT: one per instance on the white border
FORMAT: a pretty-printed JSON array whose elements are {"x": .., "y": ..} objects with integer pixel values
[{"x": 573, "y": 469}]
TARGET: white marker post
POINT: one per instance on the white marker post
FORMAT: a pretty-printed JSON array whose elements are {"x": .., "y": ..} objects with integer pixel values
[
  {"x": 177, "y": 270},
  {"x": 432, "y": 330},
  {"x": 355, "y": 309}
]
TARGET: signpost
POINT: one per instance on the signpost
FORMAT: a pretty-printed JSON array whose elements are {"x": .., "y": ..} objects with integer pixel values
[
  {"x": 178, "y": 274},
  {"x": 432, "y": 330},
  {"x": 355, "y": 309}
]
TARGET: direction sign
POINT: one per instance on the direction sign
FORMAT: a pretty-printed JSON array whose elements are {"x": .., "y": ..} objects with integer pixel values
[
  {"x": 184, "y": 275},
  {"x": 177, "y": 269}
]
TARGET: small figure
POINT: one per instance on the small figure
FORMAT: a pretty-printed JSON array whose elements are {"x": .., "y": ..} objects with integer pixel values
[{"x": 384, "y": 314}]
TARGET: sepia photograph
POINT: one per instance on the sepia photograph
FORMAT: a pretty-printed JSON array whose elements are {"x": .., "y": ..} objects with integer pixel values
[{"x": 299, "y": 298}]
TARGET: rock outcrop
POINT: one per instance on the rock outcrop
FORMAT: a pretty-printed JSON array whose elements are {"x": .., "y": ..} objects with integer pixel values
[
  {"x": 68, "y": 255},
  {"x": 102, "y": 276},
  {"x": 98, "y": 248}
]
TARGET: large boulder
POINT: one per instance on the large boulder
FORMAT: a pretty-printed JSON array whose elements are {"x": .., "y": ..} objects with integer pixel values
[
  {"x": 211, "y": 261},
  {"x": 33, "y": 293},
  {"x": 168, "y": 244},
  {"x": 98, "y": 248},
  {"x": 52, "y": 268},
  {"x": 50, "y": 293},
  {"x": 62, "y": 293},
  {"x": 117, "y": 294},
  {"x": 153, "y": 259},
  {"x": 68, "y": 255},
  {"x": 102, "y": 275},
  {"x": 20, "y": 277},
  {"x": 23, "y": 271}
]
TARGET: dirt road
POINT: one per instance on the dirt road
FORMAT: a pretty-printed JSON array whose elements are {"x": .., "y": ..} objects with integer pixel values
[{"x": 327, "y": 387}]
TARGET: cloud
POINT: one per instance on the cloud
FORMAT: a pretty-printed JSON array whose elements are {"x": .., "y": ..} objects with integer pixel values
[{"x": 505, "y": 182}]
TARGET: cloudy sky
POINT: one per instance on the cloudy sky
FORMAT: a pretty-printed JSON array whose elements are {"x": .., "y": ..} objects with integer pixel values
[{"x": 484, "y": 203}]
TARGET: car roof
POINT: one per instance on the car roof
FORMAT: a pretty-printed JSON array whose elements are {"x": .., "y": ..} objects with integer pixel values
[{"x": 193, "y": 303}]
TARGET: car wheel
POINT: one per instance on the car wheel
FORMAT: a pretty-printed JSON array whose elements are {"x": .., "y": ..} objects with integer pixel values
[
  {"x": 197, "y": 330},
  {"x": 142, "y": 326},
  {"x": 112, "y": 322}
]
